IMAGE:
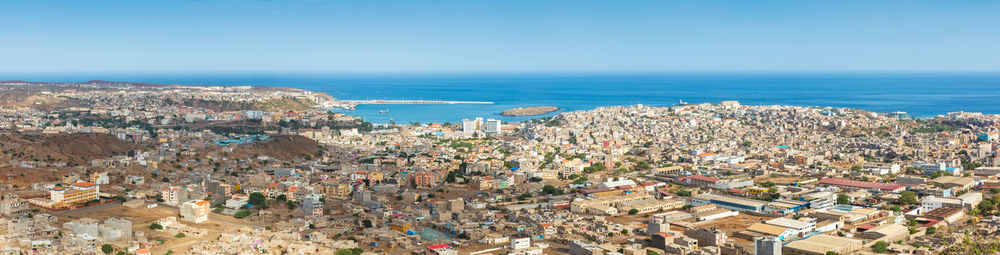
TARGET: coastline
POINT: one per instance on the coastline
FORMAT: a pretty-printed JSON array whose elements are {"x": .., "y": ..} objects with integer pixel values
[{"x": 921, "y": 95}]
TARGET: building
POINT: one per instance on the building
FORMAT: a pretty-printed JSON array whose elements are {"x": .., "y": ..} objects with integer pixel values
[
  {"x": 114, "y": 228},
  {"x": 886, "y": 232},
  {"x": 173, "y": 195},
  {"x": 657, "y": 225},
  {"x": 492, "y": 127},
  {"x": 312, "y": 205},
  {"x": 100, "y": 178},
  {"x": 728, "y": 202},
  {"x": 80, "y": 192},
  {"x": 798, "y": 227},
  {"x": 707, "y": 236},
  {"x": 441, "y": 249},
  {"x": 820, "y": 244},
  {"x": 930, "y": 169},
  {"x": 767, "y": 230},
  {"x": 13, "y": 206},
  {"x": 195, "y": 211},
  {"x": 861, "y": 185},
  {"x": 470, "y": 126},
  {"x": 237, "y": 201},
  {"x": 423, "y": 179},
  {"x": 968, "y": 201},
  {"x": 580, "y": 247},
  {"x": 954, "y": 183},
  {"x": 766, "y": 246}
]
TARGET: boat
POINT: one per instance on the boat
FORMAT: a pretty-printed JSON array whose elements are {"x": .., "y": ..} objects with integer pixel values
[{"x": 383, "y": 111}]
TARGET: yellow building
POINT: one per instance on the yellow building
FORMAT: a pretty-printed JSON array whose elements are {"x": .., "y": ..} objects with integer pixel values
[
  {"x": 756, "y": 191},
  {"x": 77, "y": 193}
]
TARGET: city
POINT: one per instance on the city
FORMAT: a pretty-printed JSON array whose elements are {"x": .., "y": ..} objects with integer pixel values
[{"x": 151, "y": 169}]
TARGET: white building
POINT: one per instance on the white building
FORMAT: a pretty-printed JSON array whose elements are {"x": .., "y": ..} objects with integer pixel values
[
  {"x": 195, "y": 211},
  {"x": 492, "y": 126}
]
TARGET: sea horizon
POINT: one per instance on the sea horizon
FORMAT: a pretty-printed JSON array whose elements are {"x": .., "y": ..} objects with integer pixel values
[{"x": 920, "y": 94}]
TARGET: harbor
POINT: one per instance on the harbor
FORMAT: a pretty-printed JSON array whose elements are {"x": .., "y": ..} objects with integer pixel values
[{"x": 351, "y": 104}]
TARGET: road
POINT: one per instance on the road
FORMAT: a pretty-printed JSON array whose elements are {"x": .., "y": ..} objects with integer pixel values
[{"x": 88, "y": 209}]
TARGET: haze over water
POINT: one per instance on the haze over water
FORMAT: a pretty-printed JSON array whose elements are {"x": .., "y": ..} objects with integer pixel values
[{"x": 921, "y": 95}]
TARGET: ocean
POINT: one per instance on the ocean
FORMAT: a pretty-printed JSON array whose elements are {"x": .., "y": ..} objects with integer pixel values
[{"x": 920, "y": 95}]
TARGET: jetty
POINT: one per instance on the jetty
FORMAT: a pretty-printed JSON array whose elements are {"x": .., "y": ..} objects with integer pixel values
[{"x": 350, "y": 104}]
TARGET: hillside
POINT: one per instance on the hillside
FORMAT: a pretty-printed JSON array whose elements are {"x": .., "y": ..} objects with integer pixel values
[
  {"x": 74, "y": 149},
  {"x": 283, "y": 104},
  {"x": 283, "y": 147}
]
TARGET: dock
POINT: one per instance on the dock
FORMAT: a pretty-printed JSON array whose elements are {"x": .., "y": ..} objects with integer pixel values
[{"x": 350, "y": 104}]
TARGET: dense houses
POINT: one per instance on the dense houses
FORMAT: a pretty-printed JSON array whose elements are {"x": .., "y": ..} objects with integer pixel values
[{"x": 688, "y": 179}]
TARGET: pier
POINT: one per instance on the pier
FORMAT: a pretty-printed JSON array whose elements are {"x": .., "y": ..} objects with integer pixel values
[
  {"x": 357, "y": 102},
  {"x": 350, "y": 104}
]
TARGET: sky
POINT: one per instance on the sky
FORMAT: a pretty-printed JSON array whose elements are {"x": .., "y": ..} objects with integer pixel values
[{"x": 43, "y": 36}]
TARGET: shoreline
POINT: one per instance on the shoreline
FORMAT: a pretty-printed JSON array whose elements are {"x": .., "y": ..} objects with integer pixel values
[{"x": 326, "y": 93}]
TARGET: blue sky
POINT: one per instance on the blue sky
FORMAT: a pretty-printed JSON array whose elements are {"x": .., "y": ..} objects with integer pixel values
[{"x": 500, "y": 36}]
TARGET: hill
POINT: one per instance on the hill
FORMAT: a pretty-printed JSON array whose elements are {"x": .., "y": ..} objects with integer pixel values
[
  {"x": 74, "y": 149},
  {"x": 283, "y": 147}
]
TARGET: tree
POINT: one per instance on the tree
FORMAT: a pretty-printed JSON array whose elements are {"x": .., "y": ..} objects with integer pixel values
[
  {"x": 832, "y": 253},
  {"x": 241, "y": 214},
  {"x": 550, "y": 190},
  {"x": 524, "y": 196},
  {"x": 352, "y": 251},
  {"x": 257, "y": 198},
  {"x": 633, "y": 211},
  {"x": 895, "y": 208},
  {"x": 930, "y": 230},
  {"x": 880, "y": 247},
  {"x": 291, "y": 205},
  {"x": 986, "y": 206},
  {"x": 281, "y": 197},
  {"x": 155, "y": 226},
  {"x": 855, "y": 168},
  {"x": 843, "y": 199},
  {"x": 367, "y": 223},
  {"x": 107, "y": 249},
  {"x": 180, "y": 235},
  {"x": 908, "y": 198}
]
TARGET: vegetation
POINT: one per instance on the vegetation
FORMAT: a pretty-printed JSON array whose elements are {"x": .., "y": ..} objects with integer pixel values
[
  {"x": 843, "y": 199},
  {"x": 932, "y": 127},
  {"x": 908, "y": 198},
  {"x": 107, "y": 249},
  {"x": 241, "y": 214},
  {"x": 551, "y": 190},
  {"x": 352, "y": 251},
  {"x": 880, "y": 247},
  {"x": 257, "y": 198},
  {"x": 155, "y": 226}
]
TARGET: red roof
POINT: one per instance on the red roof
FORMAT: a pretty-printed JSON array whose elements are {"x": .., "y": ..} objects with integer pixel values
[
  {"x": 700, "y": 178},
  {"x": 84, "y": 184},
  {"x": 861, "y": 184},
  {"x": 438, "y": 246}
]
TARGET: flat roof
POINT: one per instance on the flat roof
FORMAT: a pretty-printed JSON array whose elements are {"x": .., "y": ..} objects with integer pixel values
[
  {"x": 767, "y": 229},
  {"x": 861, "y": 184},
  {"x": 822, "y": 243},
  {"x": 789, "y": 223}
]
